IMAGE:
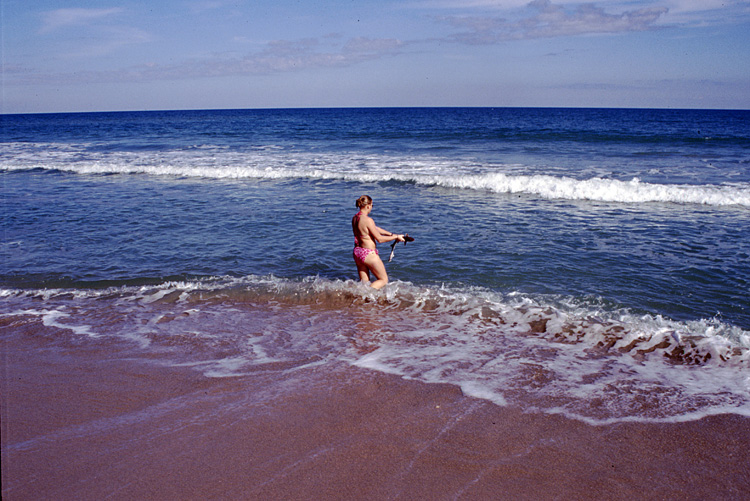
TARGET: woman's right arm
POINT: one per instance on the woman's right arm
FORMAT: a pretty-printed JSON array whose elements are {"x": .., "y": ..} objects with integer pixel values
[{"x": 380, "y": 235}]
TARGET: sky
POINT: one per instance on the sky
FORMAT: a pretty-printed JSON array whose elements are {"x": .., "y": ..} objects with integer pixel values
[{"x": 71, "y": 56}]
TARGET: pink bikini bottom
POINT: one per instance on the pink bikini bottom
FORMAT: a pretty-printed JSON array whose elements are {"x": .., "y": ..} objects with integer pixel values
[{"x": 360, "y": 254}]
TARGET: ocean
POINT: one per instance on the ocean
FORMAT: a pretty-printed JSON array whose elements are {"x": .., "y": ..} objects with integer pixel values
[{"x": 593, "y": 263}]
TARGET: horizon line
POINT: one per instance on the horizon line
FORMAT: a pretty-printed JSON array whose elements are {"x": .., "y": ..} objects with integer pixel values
[{"x": 300, "y": 108}]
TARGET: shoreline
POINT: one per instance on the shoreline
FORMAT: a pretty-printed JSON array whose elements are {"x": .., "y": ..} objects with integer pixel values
[{"x": 89, "y": 422}]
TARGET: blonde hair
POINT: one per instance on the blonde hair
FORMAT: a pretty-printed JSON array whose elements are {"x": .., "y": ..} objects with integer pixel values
[{"x": 363, "y": 201}]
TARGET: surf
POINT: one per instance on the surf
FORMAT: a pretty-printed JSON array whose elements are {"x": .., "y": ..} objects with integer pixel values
[
  {"x": 269, "y": 164},
  {"x": 583, "y": 357}
]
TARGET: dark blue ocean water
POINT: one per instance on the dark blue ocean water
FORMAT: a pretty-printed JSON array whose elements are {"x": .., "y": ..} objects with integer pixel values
[{"x": 574, "y": 223}]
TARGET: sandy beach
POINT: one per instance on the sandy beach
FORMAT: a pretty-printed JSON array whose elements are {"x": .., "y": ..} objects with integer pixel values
[{"x": 92, "y": 423}]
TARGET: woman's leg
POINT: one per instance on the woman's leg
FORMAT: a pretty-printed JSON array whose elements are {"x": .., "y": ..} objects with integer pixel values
[
  {"x": 375, "y": 264},
  {"x": 363, "y": 271}
]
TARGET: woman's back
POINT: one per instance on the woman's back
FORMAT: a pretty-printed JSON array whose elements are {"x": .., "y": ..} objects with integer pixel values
[{"x": 362, "y": 237}]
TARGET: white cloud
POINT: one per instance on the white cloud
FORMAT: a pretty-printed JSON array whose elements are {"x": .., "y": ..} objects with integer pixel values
[
  {"x": 275, "y": 57},
  {"x": 469, "y": 4},
  {"x": 55, "y": 19},
  {"x": 508, "y": 5},
  {"x": 676, "y": 12},
  {"x": 94, "y": 34},
  {"x": 110, "y": 40},
  {"x": 550, "y": 20},
  {"x": 682, "y": 6},
  {"x": 707, "y": 12},
  {"x": 289, "y": 55}
]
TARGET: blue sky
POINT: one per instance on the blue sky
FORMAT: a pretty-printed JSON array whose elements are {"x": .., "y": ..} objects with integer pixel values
[{"x": 197, "y": 54}]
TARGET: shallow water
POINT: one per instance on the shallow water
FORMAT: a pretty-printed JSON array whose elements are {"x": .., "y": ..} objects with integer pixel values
[{"x": 586, "y": 262}]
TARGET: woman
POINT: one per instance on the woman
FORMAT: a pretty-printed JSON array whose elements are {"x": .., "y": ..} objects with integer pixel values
[{"x": 366, "y": 237}]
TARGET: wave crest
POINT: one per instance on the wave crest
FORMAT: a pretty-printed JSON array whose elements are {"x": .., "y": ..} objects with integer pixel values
[
  {"x": 603, "y": 190},
  {"x": 267, "y": 163}
]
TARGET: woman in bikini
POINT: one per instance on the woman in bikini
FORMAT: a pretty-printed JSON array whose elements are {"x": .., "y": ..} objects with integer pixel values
[{"x": 366, "y": 237}]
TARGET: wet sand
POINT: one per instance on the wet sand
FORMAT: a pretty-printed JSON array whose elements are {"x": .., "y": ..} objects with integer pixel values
[{"x": 94, "y": 422}]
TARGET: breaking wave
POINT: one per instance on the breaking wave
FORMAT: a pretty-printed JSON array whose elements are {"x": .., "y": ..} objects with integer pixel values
[{"x": 267, "y": 163}]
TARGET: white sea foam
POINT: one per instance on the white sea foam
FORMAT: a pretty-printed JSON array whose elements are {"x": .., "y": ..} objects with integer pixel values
[
  {"x": 587, "y": 360},
  {"x": 605, "y": 190},
  {"x": 52, "y": 318},
  {"x": 447, "y": 173}
]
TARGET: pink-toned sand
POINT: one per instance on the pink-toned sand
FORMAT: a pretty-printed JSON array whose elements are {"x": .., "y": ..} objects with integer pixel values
[{"x": 88, "y": 423}]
